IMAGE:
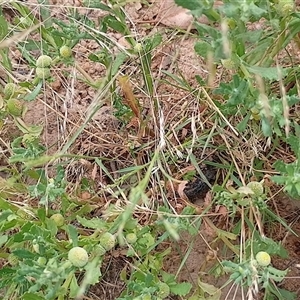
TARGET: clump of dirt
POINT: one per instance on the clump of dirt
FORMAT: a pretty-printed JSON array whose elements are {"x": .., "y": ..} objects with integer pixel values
[{"x": 110, "y": 286}]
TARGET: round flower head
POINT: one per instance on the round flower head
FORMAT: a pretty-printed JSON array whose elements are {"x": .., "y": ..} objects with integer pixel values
[{"x": 78, "y": 257}]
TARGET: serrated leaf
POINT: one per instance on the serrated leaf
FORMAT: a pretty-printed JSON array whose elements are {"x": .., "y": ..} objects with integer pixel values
[
  {"x": 73, "y": 235},
  {"x": 3, "y": 28},
  {"x": 202, "y": 48},
  {"x": 229, "y": 235},
  {"x": 208, "y": 288},
  {"x": 181, "y": 289},
  {"x": 241, "y": 127},
  {"x": 45, "y": 13},
  {"x": 51, "y": 226},
  {"x": 154, "y": 42},
  {"x": 41, "y": 212},
  {"x": 37, "y": 161},
  {"x": 266, "y": 127},
  {"x": 285, "y": 294},
  {"x": 118, "y": 61},
  {"x": 93, "y": 57},
  {"x": 74, "y": 287},
  {"x": 278, "y": 179},
  {"x": 93, "y": 272},
  {"x": 32, "y": 296},
  {"x": 168, "y": 278},
  {"x": 115, "y": 24},
  {"x": 256, "y": 11},
  {"x": 271, "y": 73},
  {"x": 131, "y": 224},
  {"x": 24, "y": 254},
  {"x": 3, "y": 240},
  {"x": 96, "y": 4},
  {"x": 245, "y": 190},
  {"x": 280, "y": 166},
  {"x": 294, "y": 142},
  {"x": 190, "y": 4},
  {"x": 35, "y": 92},
  {"x": 94, "y": 223}
]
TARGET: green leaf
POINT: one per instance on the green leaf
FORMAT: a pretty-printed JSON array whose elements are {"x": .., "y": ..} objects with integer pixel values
[
  {"x": 209, "y": 33},
  {"x": 83, "y": 210},
  {"x": 279, "y": 179},
  {"x": 204, "y": 289},
  {"x": 74, "y": 287},
  {"x": 5, "y": 61},
  {"x": 117, "y": 62},
  {"x": 190, "y": 4},
  {"x": 131, "y": 224},
  {"x": 51, "y": 226},
  {"x": 91, "y": 277},
  {"x": 243, "y": 124},
  {"x": 276, "y": 274},
  {"x": 271, "y": 73},
  {"x": 266, "y": 127},
  {"x": 93, "y": 57},
  {"x": 34, "y": 93},
  {"x": 168, "y": 278},
  {"x": 297, "y": 187},
  {"x": 294, "y": 142},
  {"x": 171, "y": 230},
  {"x": 96, "y": 4},
  {"x": 255, "y": 55},
  {"x": 32, "y": 296},
  {"x": 181, "y": 289},
  {"x": 268, "y": 245},
  {"x": 24, "y": 254},
  {"x": 280, "y": 166},
  {"x": 202, "y": 48},
  {"x": 198, "y": 7},
  {"x": 94, "y": 223},
  {"x": 73, "y": 235},
  {"x": 154, "y": 42},
  {"x": 256, "y": 11},
  {"x": 93, "y": 272},
  {"x": 284, "y": 294},
  {"x": 45, "y": 13},
  {"x": 37, "y": 161},
  {"x": 5, "y": 214},
  {"x": 41, "y": 214},
  {"x": 115, "y": 24},
  {"x": 3, "y": 240},
  {"x": 251, "y": 36},
  {"x": 3, "y": 28}
]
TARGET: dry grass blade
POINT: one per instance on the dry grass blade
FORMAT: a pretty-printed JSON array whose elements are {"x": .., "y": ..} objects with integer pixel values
[
  {"x": 18, "y": 37},
  {"x": 212, "y": 104}
]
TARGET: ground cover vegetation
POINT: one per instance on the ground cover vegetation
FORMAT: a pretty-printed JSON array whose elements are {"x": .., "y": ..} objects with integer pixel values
[{"x": 113, "y": 166}]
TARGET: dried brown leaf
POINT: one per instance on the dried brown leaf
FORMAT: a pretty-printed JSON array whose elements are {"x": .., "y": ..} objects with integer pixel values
[
  {"x": 180, "y": 188},
  {"x": 208, "y": 199},
  {"x": 94, "y": 172},
  {"x": 222, "y": 210},
  {"x": 129, "y": 99}
]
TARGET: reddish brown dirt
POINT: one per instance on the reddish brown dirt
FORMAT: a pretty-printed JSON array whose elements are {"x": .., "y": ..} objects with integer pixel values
[{"x": 289, "y": 210}]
